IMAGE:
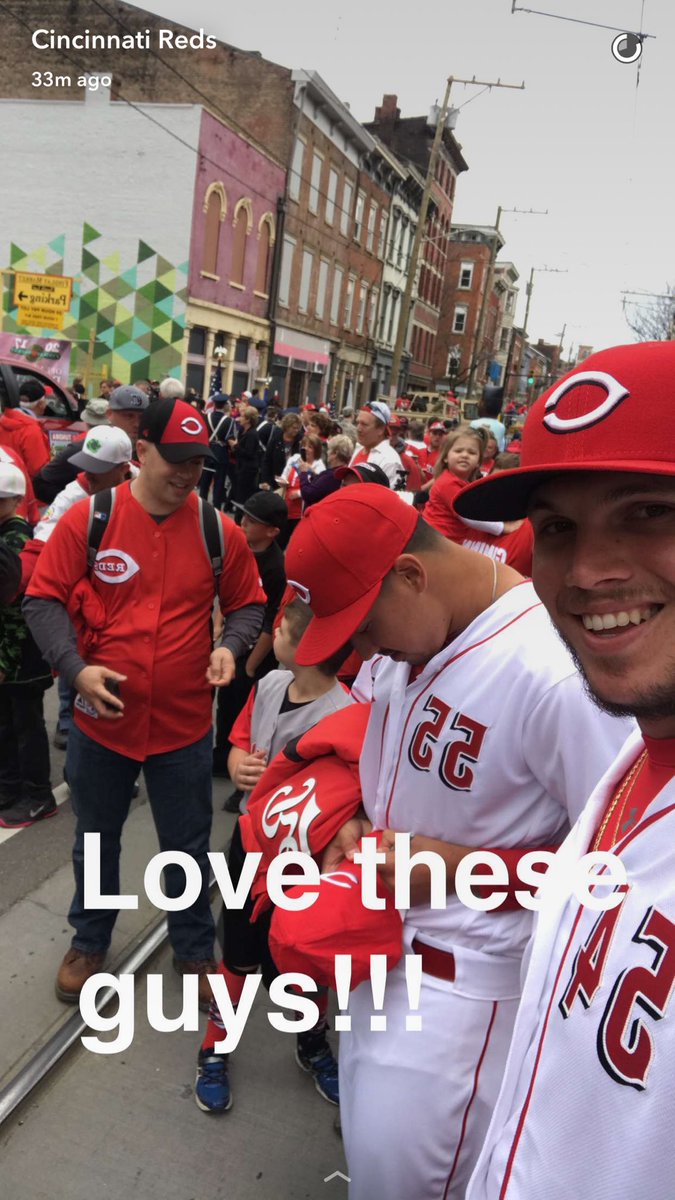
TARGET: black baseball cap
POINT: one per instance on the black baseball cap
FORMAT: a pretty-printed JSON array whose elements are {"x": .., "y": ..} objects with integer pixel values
[
  {"x": 265, "y": 507},
  {"x": 178, "y": 430},
  {"x": 367, "y": 472}
]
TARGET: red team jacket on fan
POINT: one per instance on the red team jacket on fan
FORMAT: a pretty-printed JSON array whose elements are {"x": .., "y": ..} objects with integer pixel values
[
  {"x": 24, "y": 433},
  {"x": 307, "y": 793},
  {"x": 514, "y": 549},
  {"x": 587, "y": 1100},
  {"x": 156, "y": 583}
]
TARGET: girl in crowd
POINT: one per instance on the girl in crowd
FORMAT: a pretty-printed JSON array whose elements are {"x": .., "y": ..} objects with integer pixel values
[{"x": 459, "y": 463}]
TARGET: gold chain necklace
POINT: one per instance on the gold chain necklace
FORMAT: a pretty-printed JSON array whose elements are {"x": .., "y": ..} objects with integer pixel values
[{"x": 628, "y": 783}]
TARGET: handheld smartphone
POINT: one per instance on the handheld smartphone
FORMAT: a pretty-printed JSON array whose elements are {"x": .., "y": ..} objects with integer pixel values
[{"x": 113, "y": 687}]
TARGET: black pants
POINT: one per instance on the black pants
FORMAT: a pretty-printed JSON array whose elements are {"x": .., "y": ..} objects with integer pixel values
[
  {"x": 24, "y": 745},
  {"x": 218, "y": 477}
]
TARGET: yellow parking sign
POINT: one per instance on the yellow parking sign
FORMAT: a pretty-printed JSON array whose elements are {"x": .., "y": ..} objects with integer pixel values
[{"x": 42, "y": 300}]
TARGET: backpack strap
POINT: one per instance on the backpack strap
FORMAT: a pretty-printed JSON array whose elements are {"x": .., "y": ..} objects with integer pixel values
[
  {"x": 100, "y": 508},
  {"x": 213, "y": 537}
]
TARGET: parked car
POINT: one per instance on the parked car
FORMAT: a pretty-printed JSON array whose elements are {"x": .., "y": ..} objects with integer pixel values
[{"x": 62, "y": 423}]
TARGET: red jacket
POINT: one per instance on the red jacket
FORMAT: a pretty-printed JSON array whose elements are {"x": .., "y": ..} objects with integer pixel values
[
  {"x": 24, "y": 434},
  {"x": 306, "y": 794}
]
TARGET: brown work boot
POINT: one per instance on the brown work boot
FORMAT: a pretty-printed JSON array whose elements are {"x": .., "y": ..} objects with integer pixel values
[
  {"x": 207, "y": 966},
  {"x": 77, "y": 967}
]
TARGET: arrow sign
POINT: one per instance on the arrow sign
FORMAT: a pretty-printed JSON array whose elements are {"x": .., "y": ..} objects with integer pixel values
[{"x": 337, "y": 1175}]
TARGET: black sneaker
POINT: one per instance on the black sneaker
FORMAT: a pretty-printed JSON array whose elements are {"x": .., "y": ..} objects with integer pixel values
[
  {"x": 320, "y": 1062},
  {"x": 27, "y": 812},
  {"x": 231, "y": 804}
]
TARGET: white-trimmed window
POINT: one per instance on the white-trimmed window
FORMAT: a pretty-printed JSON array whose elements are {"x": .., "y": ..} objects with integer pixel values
[
  {"x": 393, "y": 325},
  {"x": 286, "y": 271},
  {"x": 321, "y": 288},
  {"x": 331, "y": 194},
  {"x": 459, "y": 319},
  {"x": 466, "y": 275},
  {"x": 338, "y": 276},
  {"x": 384, "y": 313},
  {"x": 393, "y": 233},
  {"x": 372, "y": 314},
  {"x": 346, "y": 212},
  {"x": 295, "y": 175},
  {"x": 358, "y": 215},
  {"x": 504, "y": 339},
  {"x": 363, "y": 300},
  {"x": 372, "y": 218},
  {"x": 315, "y": 185},
  {"x": 349, "y": 301},
  {"x": 305, "y": 280},
  {"x": 383, "y": 234}
]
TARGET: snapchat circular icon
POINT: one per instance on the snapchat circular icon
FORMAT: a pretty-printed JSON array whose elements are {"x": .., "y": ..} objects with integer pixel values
[{"x": 627, "y": 47}]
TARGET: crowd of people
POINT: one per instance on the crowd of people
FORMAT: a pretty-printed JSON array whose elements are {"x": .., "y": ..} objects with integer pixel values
[{"x": 210, "y": 582}]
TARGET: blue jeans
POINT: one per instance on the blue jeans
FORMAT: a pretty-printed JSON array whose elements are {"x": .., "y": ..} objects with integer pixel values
[
  {"x": 179, "y": 790},
  {"x": 66, "y": 697}
]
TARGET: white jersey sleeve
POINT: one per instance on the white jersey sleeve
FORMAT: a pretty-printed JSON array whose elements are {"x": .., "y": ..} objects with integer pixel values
[
  {"x": 568, "y": 743},
  {"x": 59, "y": 505}
]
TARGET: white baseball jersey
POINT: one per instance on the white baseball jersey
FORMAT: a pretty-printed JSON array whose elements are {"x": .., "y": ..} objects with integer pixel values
[
  {"x": 483, "y": 749},
  {"x": 384, "y": 456},
  {"x": 589, "y": 1089},
  {"x": 493, "y": 744}
]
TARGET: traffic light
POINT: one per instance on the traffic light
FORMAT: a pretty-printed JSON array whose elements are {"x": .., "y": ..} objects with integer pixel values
[{"x": 530, "y": 381}]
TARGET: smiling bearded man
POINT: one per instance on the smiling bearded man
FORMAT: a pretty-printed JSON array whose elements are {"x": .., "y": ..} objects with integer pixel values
[{"x": 587, "y": 1100}]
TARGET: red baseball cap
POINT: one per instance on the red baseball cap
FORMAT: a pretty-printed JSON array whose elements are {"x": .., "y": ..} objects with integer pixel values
[
  {"x": 337, "y": 560},
  {"x": 611, "y": 413},
  {"x": 437, "y": 427},
  {"x": 336, "y": 923},
  {"x": 178, "y": 430}
]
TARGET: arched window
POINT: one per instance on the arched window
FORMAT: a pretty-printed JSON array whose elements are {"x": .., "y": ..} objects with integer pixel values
[
  {"x": 242, "y": 222},
  {"x": 265, "y": 244},
  {"x": 215, "y": 207}
]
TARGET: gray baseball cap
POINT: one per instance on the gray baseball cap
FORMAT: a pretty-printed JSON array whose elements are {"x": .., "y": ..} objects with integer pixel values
[{"x": 128, "y": 398}]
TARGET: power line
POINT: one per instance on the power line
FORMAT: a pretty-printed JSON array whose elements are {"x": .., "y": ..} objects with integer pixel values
[{"x": 536, "y": 12}]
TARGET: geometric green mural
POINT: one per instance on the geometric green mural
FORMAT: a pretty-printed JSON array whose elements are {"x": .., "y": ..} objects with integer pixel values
[{"x": 135, "y": 310}]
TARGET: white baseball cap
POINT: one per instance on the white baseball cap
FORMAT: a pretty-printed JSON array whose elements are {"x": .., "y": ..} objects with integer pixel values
[
  {"x": 103, "y": 448},
  {"x": 379, "y": 409},
  {"x": 12, "y": 481}
]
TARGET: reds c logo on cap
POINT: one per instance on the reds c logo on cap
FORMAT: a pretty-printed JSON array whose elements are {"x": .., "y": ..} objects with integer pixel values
[
  {"x": 304, "y": 593},
  {"x": 615, "y": 393},
  {"x": 114, "y": 566},
  {"x": 191, "y": 426}
]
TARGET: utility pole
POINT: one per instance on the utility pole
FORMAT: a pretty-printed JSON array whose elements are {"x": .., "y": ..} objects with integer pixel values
[
  {"x": 487, "y": 291},
  {"x": 528, "y": 290},
  {"x": 407, "y": 298}
]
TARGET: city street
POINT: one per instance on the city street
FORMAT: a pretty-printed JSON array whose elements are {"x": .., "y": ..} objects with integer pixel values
[{"x": 126, "y": 1125}]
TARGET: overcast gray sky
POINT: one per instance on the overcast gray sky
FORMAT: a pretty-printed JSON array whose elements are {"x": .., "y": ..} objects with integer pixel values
[{"x": 583, "y": 140}]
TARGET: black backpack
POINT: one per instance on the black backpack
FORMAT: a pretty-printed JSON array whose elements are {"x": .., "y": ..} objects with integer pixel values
[{"x": 101, "y": 506}]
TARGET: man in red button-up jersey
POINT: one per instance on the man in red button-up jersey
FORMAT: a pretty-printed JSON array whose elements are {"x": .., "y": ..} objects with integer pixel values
[{"x": 143, "y": 667}]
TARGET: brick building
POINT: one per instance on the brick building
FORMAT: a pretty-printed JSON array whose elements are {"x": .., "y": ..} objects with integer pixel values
[
  {"x": 506, "y": 278},
  {"x": 330, "y": 275},
  {"x": 411, "y": 139},
  {"x": 465, "y": 282}
]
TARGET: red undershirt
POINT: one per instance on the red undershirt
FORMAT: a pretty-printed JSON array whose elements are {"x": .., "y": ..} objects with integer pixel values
[{"x": 658, "y": 768}]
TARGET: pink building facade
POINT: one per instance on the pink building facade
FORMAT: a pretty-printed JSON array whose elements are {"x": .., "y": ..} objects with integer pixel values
[{"x": 232, "y": 249}]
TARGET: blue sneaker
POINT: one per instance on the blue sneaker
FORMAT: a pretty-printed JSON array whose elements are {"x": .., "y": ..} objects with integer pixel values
[
  {"x": 322, "y": 1064},
  {"x": 212, "y": 1085}
]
